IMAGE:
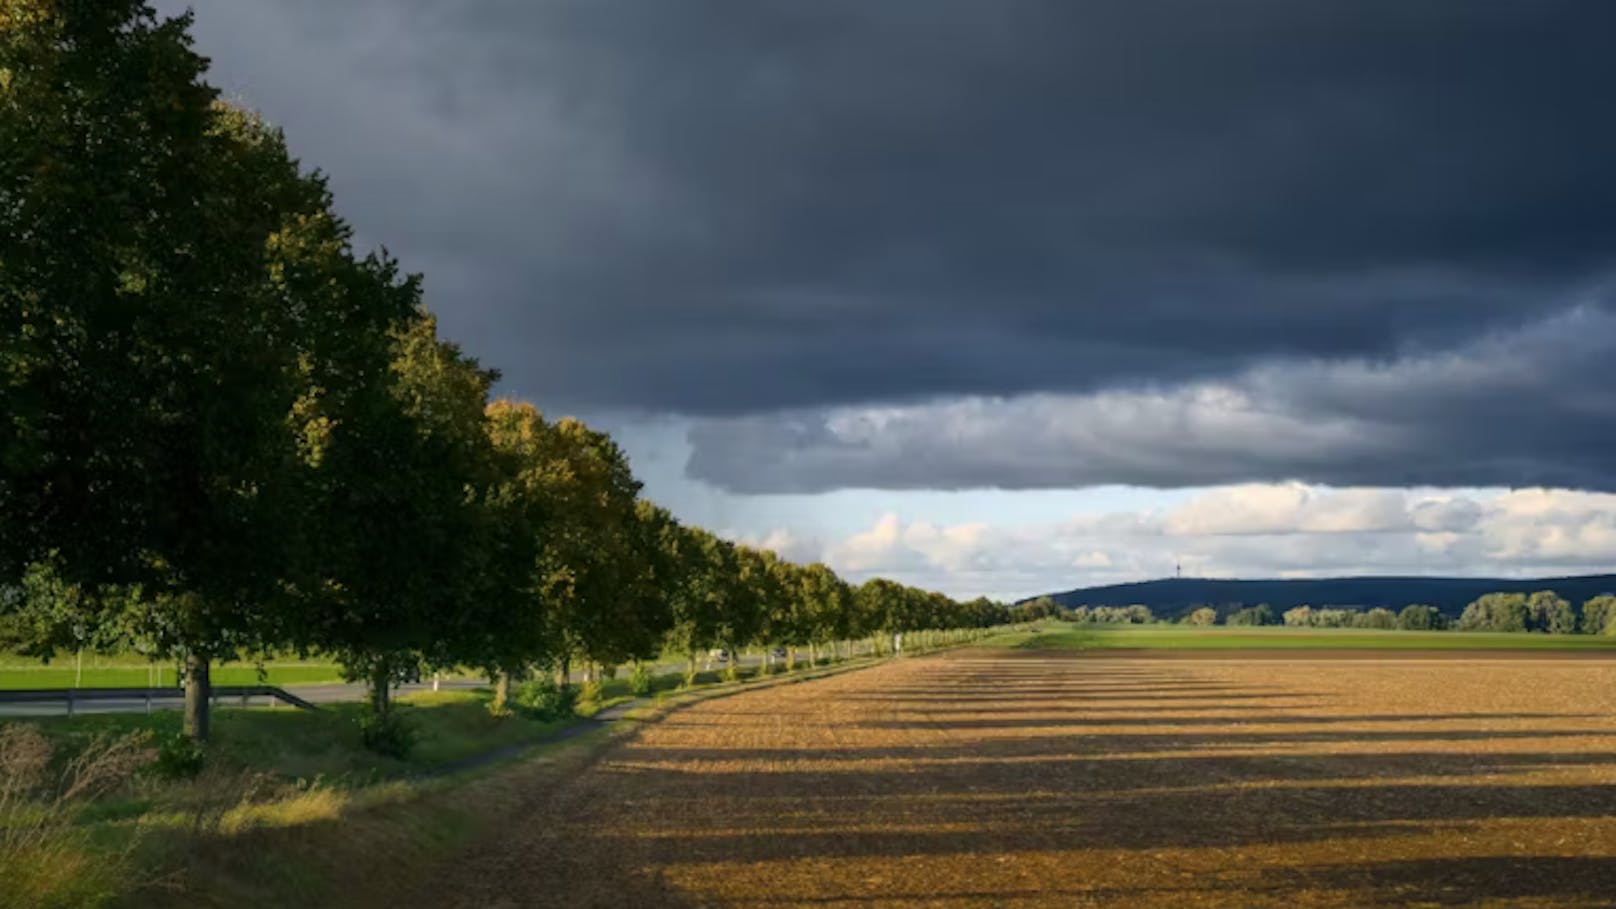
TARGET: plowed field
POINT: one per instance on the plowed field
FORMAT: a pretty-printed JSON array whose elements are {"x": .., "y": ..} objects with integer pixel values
[{"x": 986, "y": 779}]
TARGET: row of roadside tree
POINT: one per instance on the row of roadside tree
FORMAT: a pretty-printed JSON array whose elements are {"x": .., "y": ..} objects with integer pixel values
[{"x": 225, "y": 432}]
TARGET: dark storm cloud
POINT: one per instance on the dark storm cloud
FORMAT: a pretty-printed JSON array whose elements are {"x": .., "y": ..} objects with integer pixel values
[
  {"x": 1524, "y": 409},
  {"x": 738, "y": 208}
]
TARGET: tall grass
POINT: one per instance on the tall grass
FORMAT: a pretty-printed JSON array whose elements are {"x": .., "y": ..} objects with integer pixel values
[{"x": 47, "y": 859}]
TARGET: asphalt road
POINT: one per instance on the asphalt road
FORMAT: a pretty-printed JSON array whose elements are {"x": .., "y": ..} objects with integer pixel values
[{"x": 174, "y": 698}]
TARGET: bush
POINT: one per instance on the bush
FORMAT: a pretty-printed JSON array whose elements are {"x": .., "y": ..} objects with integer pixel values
[
  {"x": 387, "y": 734},
  {"x": 640, "y": 682},
  {"x": 179, "y": 757},
  {"x": 1379, "y": 617},
  {"x": 546, "y": 700},
  {"x": 1419, "y": 617},
  {"x": 589, "y": 693},
  {"x": 1261, "y": 614},
  {"x": 1205, "y": 615}
]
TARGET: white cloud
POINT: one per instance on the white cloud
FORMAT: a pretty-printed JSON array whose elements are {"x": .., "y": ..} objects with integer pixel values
[{"x": 1281, "y": 530}]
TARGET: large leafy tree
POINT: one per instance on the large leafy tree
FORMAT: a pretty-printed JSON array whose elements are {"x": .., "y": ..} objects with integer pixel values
[
  {"x": 1599, "y": 615},
  {"x": 706, "y": 576},
  {"x": 1496, "y": 612},
  {"x": 1551, "y": 612},
  {"x": 827, "y": 603},
  {"x": 753, "y": 589},
  {"x": 157, "y": 365},
  {"x": 592, "y": 578},
  {"x": 403, "y": 518},
  {"x": 520, "y": 502}
]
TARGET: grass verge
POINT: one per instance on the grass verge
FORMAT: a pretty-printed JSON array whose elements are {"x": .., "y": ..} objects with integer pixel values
[
  {"x": 291, "y": 811},
  {"x": 23, "y": 672}
]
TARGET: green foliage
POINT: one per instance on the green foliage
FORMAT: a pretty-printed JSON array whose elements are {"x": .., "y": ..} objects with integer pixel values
[
  {"x": 1205, "y": 615},
  {"x": 1496, "y": 612},
  {"x": 1137, "y": 614},
  {"x": 1377, "y": 617},
  {"x": 589, "y": 693},
  {"x": 179, "y": 757},
  {"x": 1261, "y": 614},
  {"x": 1417, "y": 617},
  {"x": 1548, "y": 611},
  {"x": 544, "y": 699},
  {"x": 1599, "y": 615},
  {"x": 389, "y": 734},
  {"x": 640, "y": 681}
]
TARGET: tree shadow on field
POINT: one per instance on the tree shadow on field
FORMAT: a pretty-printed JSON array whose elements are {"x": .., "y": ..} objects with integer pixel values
[
  {"x": 1502, "y": 880},
  {"x": 1572, "y": 882},
  {"x": 963, "y": 784}
]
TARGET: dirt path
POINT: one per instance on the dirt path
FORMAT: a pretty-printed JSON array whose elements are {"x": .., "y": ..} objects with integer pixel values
[{"x": 983, "y": 779}]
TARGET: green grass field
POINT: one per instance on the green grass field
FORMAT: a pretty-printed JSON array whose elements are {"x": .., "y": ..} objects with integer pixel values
[
  {"x": 1059, "y": 636},
  {"x": 305, "y": 744},
  {"x": 134, "y": 672}
]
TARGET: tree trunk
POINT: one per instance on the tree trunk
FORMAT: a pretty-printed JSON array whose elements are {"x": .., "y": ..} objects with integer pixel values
[
  {"x": 381, "y": 700},
  {"x": 198, "y": 697},
  {"x": 564, "y": 673}
]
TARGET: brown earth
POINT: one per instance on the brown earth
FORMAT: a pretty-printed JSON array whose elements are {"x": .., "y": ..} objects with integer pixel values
[{"x": 984, "y": 779}]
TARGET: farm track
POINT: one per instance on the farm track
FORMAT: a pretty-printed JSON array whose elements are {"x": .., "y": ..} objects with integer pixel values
[{"x": 985, "y": 778}]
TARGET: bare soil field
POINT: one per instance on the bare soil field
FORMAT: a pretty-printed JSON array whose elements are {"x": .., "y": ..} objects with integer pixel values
[{"x": 996, "y": 778}]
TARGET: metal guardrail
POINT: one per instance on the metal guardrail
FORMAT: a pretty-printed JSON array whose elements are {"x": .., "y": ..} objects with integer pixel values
[{"x": 72, "y": 697}]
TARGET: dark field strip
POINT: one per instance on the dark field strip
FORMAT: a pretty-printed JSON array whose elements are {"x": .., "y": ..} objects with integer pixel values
[{"x": 1004, "y": 778}]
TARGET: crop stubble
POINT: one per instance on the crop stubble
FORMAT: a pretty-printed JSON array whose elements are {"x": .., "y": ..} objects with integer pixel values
[{"x": 1001, "y": 779}]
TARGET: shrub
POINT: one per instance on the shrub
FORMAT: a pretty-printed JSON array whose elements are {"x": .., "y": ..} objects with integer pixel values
[
  {"x": 1419, "y": 617},
  {"x": 589, "y": 693},
  {"x": 179, "y": 757},
  {"x": 547, "y": 700},
  {"x": 387, "y": 734},
  {"x": 1261, "y": 614},
  {"x": 640, "y": 682},
  {"x": 1379, "y": 617}
]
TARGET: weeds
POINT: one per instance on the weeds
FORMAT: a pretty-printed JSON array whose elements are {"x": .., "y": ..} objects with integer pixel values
[
  {"x": 640, "y": 682},
  {"x": 45, "y": 855},
  {"x": 179, "y": 757},
  {"x": 387, "y": 734}
]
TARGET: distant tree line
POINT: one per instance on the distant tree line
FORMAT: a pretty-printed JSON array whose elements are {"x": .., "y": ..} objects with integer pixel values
[
  {"x": 224, "y": 432},
  {"x": 1543, "y": 611}
]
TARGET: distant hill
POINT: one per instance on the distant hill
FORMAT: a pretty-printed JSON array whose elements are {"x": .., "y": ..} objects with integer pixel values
[{"x": 1172, "y": 596}]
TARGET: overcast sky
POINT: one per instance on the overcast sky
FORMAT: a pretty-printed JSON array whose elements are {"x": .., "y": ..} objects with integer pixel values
[{"x": 1008, "y": 296}]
